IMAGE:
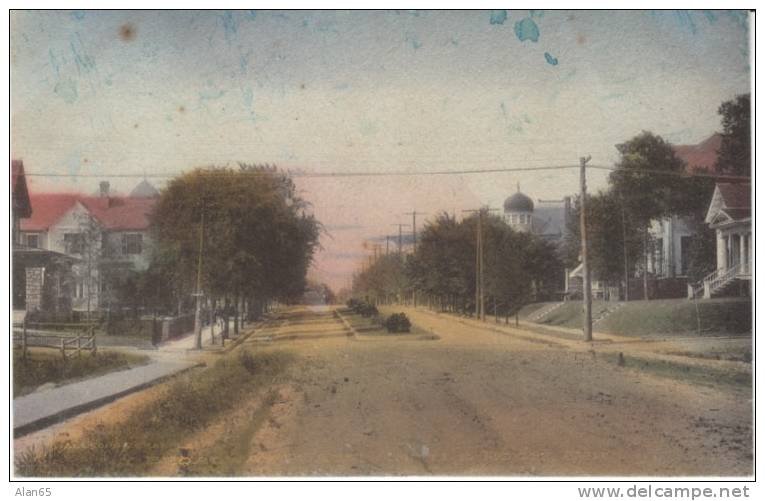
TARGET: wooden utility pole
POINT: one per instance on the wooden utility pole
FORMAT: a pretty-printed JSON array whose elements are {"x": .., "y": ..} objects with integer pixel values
[
  {"x": 414, "y": 245},
  {"x": 400, "y": 236},
  {"x": 480, "y": 307},
  {"x": 587, "y": 286},
  {"x": 414, "y": 227}
]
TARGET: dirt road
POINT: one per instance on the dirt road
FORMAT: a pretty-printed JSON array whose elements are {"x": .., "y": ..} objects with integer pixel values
[
  {"x": 480, "y": 403},
  {"x": 467, "y": 402}
]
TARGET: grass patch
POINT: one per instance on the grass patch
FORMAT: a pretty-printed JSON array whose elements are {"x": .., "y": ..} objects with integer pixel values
[
  {"x": 661, "y": 317},
  {"x": 132, "y": 447},
  {"x": 47, "y": 366},
  {"x": 709, "y": 376}
]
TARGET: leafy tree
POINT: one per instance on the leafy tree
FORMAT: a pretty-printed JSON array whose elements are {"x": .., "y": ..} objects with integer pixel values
[
  {"x": 257, "y": 239},
  {"x": 648, "y": 181},
  {"x": 734, "y": 156},
  {"x": 614, "y": 241}
]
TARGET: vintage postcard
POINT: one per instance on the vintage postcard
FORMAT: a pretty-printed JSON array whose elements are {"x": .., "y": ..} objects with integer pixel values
[{"x": 382, "y": 244}]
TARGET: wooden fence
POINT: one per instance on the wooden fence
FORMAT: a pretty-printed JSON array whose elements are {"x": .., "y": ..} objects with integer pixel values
[{"x": 69, "y": 344}]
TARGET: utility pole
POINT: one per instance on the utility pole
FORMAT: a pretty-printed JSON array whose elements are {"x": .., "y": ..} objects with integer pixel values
[
  {"x": 414, "y": 227},
  {"x": 587, "y": 286},
  {"x": 198, "y": 294},
  {"x": 414, "y": 245},
  {"x": 400, "y": 242},
  {"x": 480, "y": 308}
]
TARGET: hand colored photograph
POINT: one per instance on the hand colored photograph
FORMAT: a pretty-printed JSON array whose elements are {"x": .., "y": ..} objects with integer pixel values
[{"x": 381, "y": 244}]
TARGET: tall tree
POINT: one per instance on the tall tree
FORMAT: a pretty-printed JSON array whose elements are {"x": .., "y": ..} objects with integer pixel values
[
  {"x": 257, "y": 239},
  {"x": 734, "y": 156},
  {"x": 648, "y": 180}
]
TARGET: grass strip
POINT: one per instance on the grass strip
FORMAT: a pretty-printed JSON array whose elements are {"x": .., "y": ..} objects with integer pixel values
[
  {"x": 697, "y": 374},
  {"x": 132, "y": 447},
  {"x": 47, "y": 366}
]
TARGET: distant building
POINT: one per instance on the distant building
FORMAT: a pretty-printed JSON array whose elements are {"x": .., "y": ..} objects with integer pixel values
[
  {"x": 547, "y": 218},
  {"x": 65, "y": 223}
]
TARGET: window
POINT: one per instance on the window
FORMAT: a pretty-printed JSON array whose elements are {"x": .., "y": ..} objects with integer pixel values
[
  {"x": 74, "y": 243},
  {"x": 132, "y": 243},
  {"x": 33, "y": 240},
  {"x": 514, "y": 218}
]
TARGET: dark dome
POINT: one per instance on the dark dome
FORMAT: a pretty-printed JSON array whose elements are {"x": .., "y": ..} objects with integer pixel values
[{"x": 519, "y": 203}]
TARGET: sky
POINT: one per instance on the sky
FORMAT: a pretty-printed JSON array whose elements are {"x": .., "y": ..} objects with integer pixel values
[{"x": 157, "y": 93}]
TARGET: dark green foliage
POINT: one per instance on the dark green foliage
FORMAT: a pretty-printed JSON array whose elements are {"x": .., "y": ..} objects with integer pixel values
[
  {"x": 735, "y": 155},
  {"x": 363, "y": 308},
  {"x": 258, "y": 237},
  {"x": 397, "y": 322}
]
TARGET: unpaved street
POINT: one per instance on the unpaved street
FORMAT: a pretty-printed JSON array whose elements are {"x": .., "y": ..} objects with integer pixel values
[{"x": 476, "y": 402}]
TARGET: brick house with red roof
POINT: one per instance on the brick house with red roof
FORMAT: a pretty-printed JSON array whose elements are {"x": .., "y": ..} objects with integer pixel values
[{"x": 100, "y": 231}]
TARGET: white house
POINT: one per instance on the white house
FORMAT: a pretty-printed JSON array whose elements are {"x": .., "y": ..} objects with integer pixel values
[
  {"x": 97, "y": 230},
  {"x": 730, "y": 215},
  {"x": 672, "y": 236}
]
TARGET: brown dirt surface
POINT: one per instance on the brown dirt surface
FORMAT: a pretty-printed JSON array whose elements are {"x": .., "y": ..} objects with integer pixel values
[
  {"x": 468, "y": 402},
  {"x": 476, "y": 402}
]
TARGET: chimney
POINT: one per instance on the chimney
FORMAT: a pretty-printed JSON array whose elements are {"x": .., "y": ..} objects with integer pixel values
[{"x": 104, "y": 189}]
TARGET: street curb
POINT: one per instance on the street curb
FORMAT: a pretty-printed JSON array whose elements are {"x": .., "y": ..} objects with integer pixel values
[
  {"x": 352, "y": 332},
  {"x": 52, "y": 419}
]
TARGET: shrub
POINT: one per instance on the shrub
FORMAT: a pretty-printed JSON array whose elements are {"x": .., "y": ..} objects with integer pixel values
[{"x": 398, "y": 322}]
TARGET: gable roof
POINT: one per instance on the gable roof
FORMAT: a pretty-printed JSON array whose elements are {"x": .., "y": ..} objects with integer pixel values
[
  {"x": 19, "y": 191},
  {"x": 700, "y": 156},
  {"x": 113, "y": 213},
  {"x": 733, "y": 201},
  {"x": 121, "y": 213}
]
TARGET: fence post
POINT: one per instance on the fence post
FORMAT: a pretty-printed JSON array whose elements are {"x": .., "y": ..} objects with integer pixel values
[{"x": 63, "y": 349}]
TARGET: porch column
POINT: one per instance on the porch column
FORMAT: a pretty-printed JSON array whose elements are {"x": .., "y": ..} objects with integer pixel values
[
  {"x": 722, "y": 251},
  {"x": 742, "y": 253}
]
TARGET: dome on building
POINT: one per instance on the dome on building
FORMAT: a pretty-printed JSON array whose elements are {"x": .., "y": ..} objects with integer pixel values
[
  {"x": 518, "y": 202},
  {"x": 144, "y": 189}
]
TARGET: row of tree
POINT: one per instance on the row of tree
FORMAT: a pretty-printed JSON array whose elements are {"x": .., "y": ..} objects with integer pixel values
[{"x": 518, "y": 267}]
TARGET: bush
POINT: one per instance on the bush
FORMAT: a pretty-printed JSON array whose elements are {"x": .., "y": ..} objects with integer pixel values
[
  {"x": 398, "y": 322},
  {"x": 362, "y": 308}
]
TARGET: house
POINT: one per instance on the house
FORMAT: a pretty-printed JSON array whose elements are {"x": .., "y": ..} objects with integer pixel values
[
  {"x": 672, "y": 236},
  {"x": 103, "y": 232},
  {"x": 21, "y": 206},
  {"x": 730, "y": 215},
  {"x": 41, "y": 278}
]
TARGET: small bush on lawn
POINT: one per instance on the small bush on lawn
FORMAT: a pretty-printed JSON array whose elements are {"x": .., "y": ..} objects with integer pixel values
[
  {"x": 398, "y": 322},
  {"x": 363, "y": 308}
]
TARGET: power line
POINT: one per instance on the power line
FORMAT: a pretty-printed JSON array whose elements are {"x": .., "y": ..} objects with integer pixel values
[{"x": 408, "y": 173}]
